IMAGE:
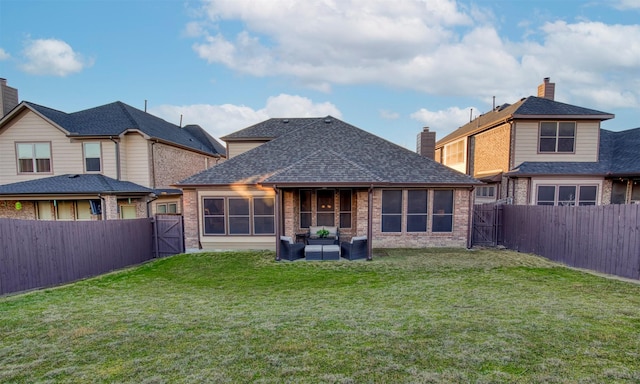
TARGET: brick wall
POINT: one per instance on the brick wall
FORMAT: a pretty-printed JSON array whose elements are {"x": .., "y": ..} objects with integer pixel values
[
  {"x": 521, "y": 192},
  {"x": 607, "y": 186},
  {"x": 491, "y": 151},
  {"x": 173, "y": 164},
  {"x": 8, "y": 210},
  {"x": 190, "y": 214}
]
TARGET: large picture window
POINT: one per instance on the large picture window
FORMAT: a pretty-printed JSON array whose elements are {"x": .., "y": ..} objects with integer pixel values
[
  {"x": 239, "y": 216},
  {"x": 92, "y": 157},
  {"x": 557, "y": 137},
  {"x": 442, "y": 211},
  {"x": 264, "y": 215},
  {"x": 34, "y": 157},
  {"x": 567, "y": 195},
  {"x": 325, "y": 207},
  {"x": 392, "y": 211},
  {"x": 345, "y": 208},
  {"x": 214, "y": 216},
  {"x": 305, "y": 208},
  {"x": 417, "y": 210}
]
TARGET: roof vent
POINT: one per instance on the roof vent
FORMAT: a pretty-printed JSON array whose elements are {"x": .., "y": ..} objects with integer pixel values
[
  {"x": 285, "y": 121},
  {"x": 328, "y": 121},
  {"x": 73, "y": 176}
]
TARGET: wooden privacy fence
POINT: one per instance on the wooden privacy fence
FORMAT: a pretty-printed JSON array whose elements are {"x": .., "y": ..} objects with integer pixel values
[
  {"x": 37, "y": 254},
  {"x": 602, "y": 238}
]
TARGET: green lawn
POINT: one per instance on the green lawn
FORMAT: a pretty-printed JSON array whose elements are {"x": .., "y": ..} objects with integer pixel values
[{"x": 419, "y": 316}]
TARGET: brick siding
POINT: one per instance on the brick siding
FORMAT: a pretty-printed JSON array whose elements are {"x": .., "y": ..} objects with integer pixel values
[
  {"x": 190, "y": 214},
  {"x": 491, "y": 151},
  {"x": 173, "y": 164},
  {"x": 8, "y": 210}
]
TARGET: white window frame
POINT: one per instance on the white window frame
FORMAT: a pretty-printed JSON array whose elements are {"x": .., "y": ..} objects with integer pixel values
[
  {"x": 557, "y": 136},
  {"x": 561, "y": 183},
  {"x": 84, "y": 156},
  {"x": 34, "y": 158}
]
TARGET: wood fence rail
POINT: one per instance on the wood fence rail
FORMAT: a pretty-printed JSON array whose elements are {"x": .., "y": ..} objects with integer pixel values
[
  {"x": 37, "y": 254},
  {"x": 602, "y": 238}
]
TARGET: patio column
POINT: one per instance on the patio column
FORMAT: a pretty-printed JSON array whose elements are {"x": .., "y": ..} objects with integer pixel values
[
  {"x": 278, "y": 219},
  {"x": 370, "y": 225}
]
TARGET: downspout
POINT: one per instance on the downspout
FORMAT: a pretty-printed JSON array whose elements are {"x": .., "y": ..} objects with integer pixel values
[
  {"x": 117, "y": 157},
  {"x": 153, "y": 198},
  {"x": 278, "y": 219},
  {"x": 470, "y": 219},
  {"x": 153, "y": 166},
  {"x": 370, "y": 225},
  {"x": 103, "y": 204}
]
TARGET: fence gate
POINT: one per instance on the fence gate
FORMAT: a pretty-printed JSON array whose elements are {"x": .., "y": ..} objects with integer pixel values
[
  {"x": 168, "y": 235},
  {"x": 487, "y": 225}
]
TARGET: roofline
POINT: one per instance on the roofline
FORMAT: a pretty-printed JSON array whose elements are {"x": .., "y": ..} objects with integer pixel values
[
  {"x": 516, "y": 174},
  {"x": 486, "y": 127},
  {"x": 336, "y": 184},
  {"x": 601, "y": 117},
  {"x": 25, "y": 104},
  {"x": 247, "y": 138},
  {"x": 73, "y": 194}
]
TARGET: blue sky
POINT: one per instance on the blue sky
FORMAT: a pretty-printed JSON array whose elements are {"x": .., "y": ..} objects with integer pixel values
[{"x": 390, "y": 67}]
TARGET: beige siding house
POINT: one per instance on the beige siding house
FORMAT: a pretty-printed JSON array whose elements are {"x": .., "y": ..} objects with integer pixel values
[
  {"x": 108, "y": 162},
  {"x": 540, "y": 151},
  {"x": 312, "y": 173}
]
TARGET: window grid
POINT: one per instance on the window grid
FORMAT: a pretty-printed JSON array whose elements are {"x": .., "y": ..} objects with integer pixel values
[
  {"x": 34, "y": 157},
  {"x": 557, "y": 137},
  {"x": 566, "y": 195}
]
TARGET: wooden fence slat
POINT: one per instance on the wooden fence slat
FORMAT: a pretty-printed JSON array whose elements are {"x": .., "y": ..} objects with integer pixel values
[
  {"x": 601, "y": 238},
  {"x": 37, "y": 254}
]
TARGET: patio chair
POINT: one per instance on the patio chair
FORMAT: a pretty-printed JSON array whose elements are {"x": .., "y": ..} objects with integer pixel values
[
  {"x": 290, "y": 250},
  {"x": 355, "y": 249}
]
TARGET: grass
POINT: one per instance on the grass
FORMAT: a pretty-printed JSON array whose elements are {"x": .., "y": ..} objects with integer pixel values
[{"x": 426, "y": 316}]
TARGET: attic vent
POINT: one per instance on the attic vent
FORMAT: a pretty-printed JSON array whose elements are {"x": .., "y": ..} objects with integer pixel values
[
  {"x": 73, "y": 176},
  {"x": 285, "y": 121},
  {"x": 328, "y": 121}
]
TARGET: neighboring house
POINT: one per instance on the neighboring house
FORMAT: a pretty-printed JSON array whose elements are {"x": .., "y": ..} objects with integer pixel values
[
  {"x": 108, "y": 162},
  {"x": 540, "y": 151},
  {"x": 285, "y": 175}
]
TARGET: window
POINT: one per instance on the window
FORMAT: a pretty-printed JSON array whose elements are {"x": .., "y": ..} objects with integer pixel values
[
  {"x": 392, "y": 211},
  {"x": 305, "y": 209},
  {"x": 239, "y": 216},
  {"x": 345, "y": 208},
  {"x": 442, "y": 211},
  {"x": 417, "y": 210},
  {"x": 454, "y": 153},
  {"x": 128, "y": 212},
  {"x": 83, "y": 210},
  {"x": 44, "y": 210},
  {"x": 167, "y": 208},
  {"x": 486, "y": 191},
  {"x": 557, "y": 137},
  {"x": 264, "y": 216},
  {"x": 214, "y": 216},
  {"x": 92, "y": 157},
  {"x": 567, "y": 195},
  {"x": 325, "y": 207},
  {"x": 34, "y": 157}
]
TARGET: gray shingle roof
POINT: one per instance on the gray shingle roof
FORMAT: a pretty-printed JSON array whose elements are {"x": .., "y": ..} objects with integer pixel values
[
  {"x": 619, "y": 155},
  {"x": 73, "y": 184},
  {"x": 530, "y": 107},
  {"x": 116, "y": 118},
  {"x": 328, "y": 150},
  {"x": 271, "y": 128}
]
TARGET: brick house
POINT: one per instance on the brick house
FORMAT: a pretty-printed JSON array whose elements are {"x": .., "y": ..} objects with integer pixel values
[
  {"x": 285, "y": 175},
  {"x": 108, "y": 162},
  {"x": 540, "y": 151}
]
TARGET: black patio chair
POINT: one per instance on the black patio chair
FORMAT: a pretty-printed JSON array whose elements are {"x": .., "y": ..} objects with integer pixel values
[
  {"x": 355, "y": 249},
  {"x": 290, "y": 250}
]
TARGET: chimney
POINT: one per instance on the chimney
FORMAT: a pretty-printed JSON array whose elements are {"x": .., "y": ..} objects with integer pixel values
[
  {"x": 8, "y": 97},
  {"x": 547, "y": 90},
  {"x": 426, "y": 143}
]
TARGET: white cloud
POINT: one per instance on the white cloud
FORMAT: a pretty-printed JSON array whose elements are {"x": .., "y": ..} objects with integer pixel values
[
  {"x": 626, "y": 4},
  {"x": 445, "y": 121},
  {"x": 4, "y": 55},
  {"x": 220, "y": 120},
  {"x": 439, "y": 47},
  {"x": 389, "y": 115},
  {"x": 52, "y": 57}
]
